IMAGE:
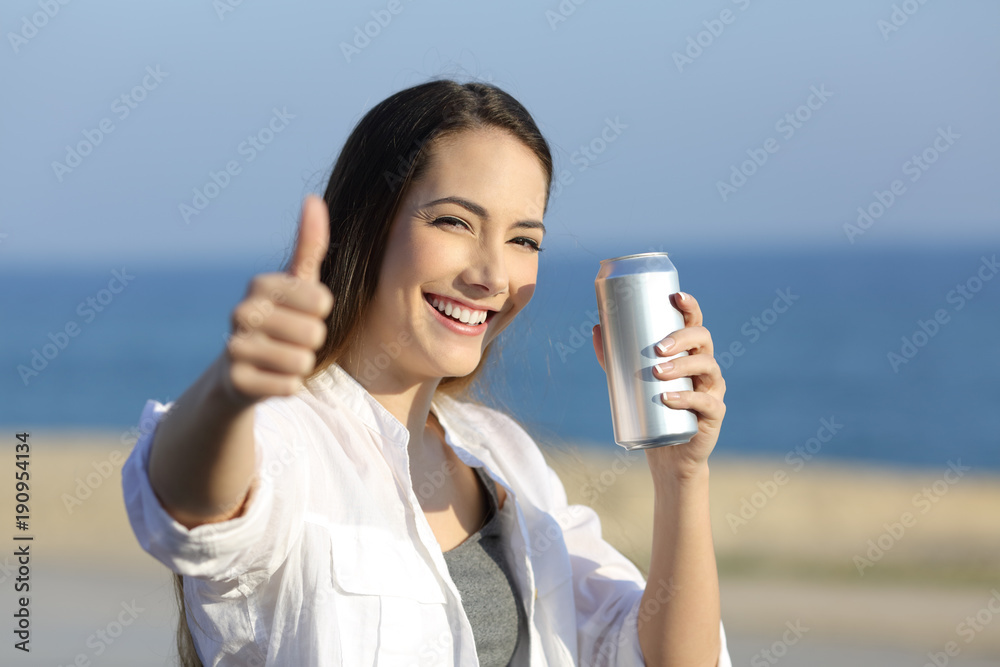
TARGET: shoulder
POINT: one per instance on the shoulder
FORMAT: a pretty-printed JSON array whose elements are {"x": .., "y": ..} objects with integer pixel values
[
  {"x": 295, "y": 413},
  {"x": 486, "y": 418},
  {"x": 280, "y": 415},
  {"x": 288, "y": 424}
]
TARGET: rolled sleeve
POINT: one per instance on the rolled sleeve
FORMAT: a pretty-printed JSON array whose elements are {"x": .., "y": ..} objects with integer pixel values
[
  {"x": 724, "y": 659},
  {"x": 629, "y": 637},
  {"x": 629, "y": 651},
  {"x": 607, "y": 588},
  {"x": 257, "y": 540}
]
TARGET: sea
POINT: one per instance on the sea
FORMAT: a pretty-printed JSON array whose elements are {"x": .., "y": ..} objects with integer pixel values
[{"x": 874, "y": 356}]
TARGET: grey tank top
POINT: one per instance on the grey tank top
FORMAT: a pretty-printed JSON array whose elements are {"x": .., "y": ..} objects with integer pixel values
[{"x": 484, "y": 578}]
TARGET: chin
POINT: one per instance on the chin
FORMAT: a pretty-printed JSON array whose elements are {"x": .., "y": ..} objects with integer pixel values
[
  {"x": 461, "y": 370},
  {"x": 458, "y": 366}
]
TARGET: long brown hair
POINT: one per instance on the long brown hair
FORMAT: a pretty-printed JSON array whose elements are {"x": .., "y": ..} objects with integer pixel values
[{"x": 388, "y": 151}]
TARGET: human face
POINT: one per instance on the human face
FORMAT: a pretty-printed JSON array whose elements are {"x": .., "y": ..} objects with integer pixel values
[{"x": 464, "y": 234}]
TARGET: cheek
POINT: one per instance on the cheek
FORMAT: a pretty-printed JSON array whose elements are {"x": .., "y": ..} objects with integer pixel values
[
  {"x": 409, "y": 259},
  {"x": 431, "y": 257}
]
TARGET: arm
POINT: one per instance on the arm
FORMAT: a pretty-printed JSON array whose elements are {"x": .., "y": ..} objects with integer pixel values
[
  {"x": 201, "y": 460},
  {"x": 201, "y": 464},
  {"x": 684, "y": 630},
  {"x": 607, "y": 599}
]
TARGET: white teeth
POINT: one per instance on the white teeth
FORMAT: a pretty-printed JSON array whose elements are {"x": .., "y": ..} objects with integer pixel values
[{"x": 461, "y": 314}]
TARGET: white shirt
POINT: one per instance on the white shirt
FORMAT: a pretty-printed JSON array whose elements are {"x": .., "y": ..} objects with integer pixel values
[{"x": 334, "y": 563}]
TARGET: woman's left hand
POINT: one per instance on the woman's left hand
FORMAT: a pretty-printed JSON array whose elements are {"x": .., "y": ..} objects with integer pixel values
[{"x": 679, "y": 462}]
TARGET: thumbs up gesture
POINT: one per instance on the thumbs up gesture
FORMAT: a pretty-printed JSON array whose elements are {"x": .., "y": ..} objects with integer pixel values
[{"x": 279, "y": 325}]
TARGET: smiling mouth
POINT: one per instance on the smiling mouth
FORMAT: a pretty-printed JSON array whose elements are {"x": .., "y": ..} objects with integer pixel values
[{"x": 459, "y": 314}]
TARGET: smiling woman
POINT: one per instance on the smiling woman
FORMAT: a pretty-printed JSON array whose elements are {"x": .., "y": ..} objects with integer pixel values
[
  {"x": 463, "y": 235},
  {"x": 329, "y": 493}
]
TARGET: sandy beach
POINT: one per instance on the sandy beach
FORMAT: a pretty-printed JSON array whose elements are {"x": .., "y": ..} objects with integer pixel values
[
  {"x": 882, "y": 565},
  {"x": 788, "y": 549}
]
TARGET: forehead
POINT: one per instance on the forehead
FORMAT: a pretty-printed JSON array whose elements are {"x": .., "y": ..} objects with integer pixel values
[{"x": 491, "y": 167}]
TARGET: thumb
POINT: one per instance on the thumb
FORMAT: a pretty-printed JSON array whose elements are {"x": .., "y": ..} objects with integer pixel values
[
  {"x": 599, "y": 345},
  {"x": 313, "y": 240}
]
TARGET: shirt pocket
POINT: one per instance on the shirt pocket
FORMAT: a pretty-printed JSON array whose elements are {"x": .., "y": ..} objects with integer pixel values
[
  {"x": 371, "y": 568},
  {"x": 370, "y": 560}
]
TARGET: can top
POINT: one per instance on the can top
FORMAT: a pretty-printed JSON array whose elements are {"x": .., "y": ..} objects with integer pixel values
[
  {"x": 639, "y": 263},
  {"x": 638, "y": 254}
]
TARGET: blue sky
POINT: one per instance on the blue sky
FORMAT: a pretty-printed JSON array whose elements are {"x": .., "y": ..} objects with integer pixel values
[{"x": 673, "y": 102}]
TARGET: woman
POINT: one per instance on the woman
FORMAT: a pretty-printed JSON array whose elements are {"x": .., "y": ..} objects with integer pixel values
[{"x": 331, "y": 498}]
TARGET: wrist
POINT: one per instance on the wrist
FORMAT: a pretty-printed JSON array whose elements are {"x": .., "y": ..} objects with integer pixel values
[
  {"x": 681, "y": 478},
  {"x": 220, "y": 395}
]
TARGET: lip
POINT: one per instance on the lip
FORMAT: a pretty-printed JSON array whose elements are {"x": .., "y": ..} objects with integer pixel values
[
  {"x": 463, "y": 304},
  {"x": 455, "y": 325}
]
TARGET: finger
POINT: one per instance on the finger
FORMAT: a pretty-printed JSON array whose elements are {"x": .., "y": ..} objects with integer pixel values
[
  {"x": 701, "y": 368},
  {"x": 689, "y": 307},
  {"x": 598, "y": 345},
  {"x": 709, "y": 408},
  {"x": 255, "y": 383},
  {"x": 313, "y": 240},
  {"x": 278, "y": 322},
  {"x": 693, "y": 339},
  {"x": 249, "y": 314},
  {"x": 313, "y": 298},
  {"x": 266, "y": 354},
  {"x": 289, "y": 326}
]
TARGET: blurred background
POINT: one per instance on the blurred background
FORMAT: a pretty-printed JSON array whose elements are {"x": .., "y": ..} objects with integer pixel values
[{"x": 823, "y": 177}]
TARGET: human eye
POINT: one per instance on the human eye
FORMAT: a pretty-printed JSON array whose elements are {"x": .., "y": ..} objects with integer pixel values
[
  {"x": 528, "y": 243},
  {"x": 450, "y": 221}
]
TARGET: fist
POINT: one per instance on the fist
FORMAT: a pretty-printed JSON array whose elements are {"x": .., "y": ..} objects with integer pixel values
[{"x": 279, "y": 325}]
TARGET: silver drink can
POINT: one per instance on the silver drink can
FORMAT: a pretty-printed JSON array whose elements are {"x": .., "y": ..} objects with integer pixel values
[{"x": 633, "y": 301}]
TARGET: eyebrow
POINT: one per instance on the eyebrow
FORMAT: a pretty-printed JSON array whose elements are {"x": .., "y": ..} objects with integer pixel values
[{"x": 476, "y": 209}]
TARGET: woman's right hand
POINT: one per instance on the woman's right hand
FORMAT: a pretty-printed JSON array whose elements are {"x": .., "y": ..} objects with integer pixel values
[{"x": 277, "y": 328}]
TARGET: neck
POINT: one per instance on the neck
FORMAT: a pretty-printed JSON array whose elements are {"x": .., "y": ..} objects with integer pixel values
[{"x": 408, "y": 399}]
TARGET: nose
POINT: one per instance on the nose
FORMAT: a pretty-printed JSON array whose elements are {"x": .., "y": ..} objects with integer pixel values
[{"x": 487, "y": 269}]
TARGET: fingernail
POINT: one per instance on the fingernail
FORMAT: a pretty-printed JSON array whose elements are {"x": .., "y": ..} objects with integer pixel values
[
  {"x": 665, "y": 345},
  {"x": 664, "y": 367},
  {"x": 671, "y": 396},
  {"x": 682, "y": 295}
]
